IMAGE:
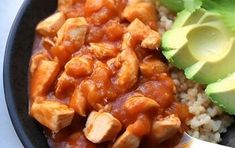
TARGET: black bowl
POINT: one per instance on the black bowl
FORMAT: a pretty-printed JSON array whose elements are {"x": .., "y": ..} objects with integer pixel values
[{"x": 15, "y": 74}]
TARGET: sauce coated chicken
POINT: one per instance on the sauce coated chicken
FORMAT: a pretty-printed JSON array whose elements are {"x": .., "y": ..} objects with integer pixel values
[{"x": 97, "y": 77}]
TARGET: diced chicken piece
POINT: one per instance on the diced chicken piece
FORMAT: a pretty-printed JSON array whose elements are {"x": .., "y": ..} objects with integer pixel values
[
  {"x": 111, "y": 64},
  {"x": 103, "y": 50},
  {"x": 92, "y": 6},
  {"x": 61, "y": 53},
  {"x": 114, "y": 30},
  {"x": 98, "y": 86},
  {"x": 101, "y": 75},
  {"x": 151, "y": 66},
  {"x": 79, "y": 103},
  {"x": 92, "y": 94},
  {"x": 138, "y": 30},
  {"x": 36, "y": 60},
  {"x": 51, "y": 25},
  {"x": 65, "y": 86},
  {"x": 100, "y": 11},
  {"x": 64, "y": 4},
  {"x": 127, "y": 41},
  {"x": 74, "y": 31},
  {"x": 144, "y": 11},
  {"x": 165, "y": 128},
  {"x": 127, "y": 63},
  {"x": 52, "y": 114},
  {"x": 70, "y": 38},
  {"x": 127, "y": 140},
  {"x": 141, "y": 127},
  {"x": 79, "y": 66},
  {"x": 149, "y": 38},
  {"x": 139, "y": 104},
  {"x": 101, "y": 127},
  {"x": 43, "y": 77},
  {"x": 48, "y": 43},
  {"x": 134, "y": 132},
  {"x": 152, "y": 41}
]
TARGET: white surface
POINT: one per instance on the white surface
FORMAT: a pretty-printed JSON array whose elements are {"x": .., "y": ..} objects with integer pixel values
[{"x": 8, "y": 137}]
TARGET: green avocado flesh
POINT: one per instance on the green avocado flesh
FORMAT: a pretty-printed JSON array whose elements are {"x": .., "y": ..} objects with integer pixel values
[
  {"x": 193, "y": 43},
  {"x": 213, "y": 69},
  {"x": 222, "y": 93},
  {"x": 174, "y": 55},
  {"x": 200, "y": 44},
  {"x": 185, "y": 18}
]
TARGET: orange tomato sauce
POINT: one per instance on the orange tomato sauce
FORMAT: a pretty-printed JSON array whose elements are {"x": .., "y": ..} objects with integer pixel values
[{"x": 106, "y": 25}]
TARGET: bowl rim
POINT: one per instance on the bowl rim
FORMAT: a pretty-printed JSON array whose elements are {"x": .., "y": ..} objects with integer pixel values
[{"x": 7, "y": 86}]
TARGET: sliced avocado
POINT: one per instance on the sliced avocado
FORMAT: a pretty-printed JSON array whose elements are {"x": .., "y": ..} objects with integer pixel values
[
  {"x": 185, "y": 18},
  {"x": 177, "y": 49},
  {"x": 173, "y": 5},
  {"x": 181, "y": 18},
  {"x": 217, "y": 64},
  {"x": 209, "y": 17},
  {"x": 201, "y": 47},
  {"x": 174, "y": 55},
  {"x": 195, "y": 17},
  {"x": 171, "y": 39},
  {"x": 222, "y": 93},
  {"x": 184, "y": 23},
  {"x": 203, "y": 44}
]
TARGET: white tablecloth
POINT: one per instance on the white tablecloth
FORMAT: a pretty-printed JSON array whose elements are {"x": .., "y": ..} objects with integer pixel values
[{"x": 8, "y": 137}]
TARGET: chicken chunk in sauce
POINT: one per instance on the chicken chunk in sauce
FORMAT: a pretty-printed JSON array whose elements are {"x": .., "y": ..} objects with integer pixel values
[
  {"x": 140, "y": 10},
  {"x": 97, "y": 78},
  {"x": 51, "y": 25},
  {"x": 127, "y": 140},
  {"x": 101, "y": 127},
  {"x": 165, "y": 128},
  {"x": 79, "y": 103},
  {"x": 52, "y": 114}
]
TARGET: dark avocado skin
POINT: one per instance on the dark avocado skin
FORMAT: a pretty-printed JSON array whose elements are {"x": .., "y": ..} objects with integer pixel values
[{"x": 15, "y": 73}]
